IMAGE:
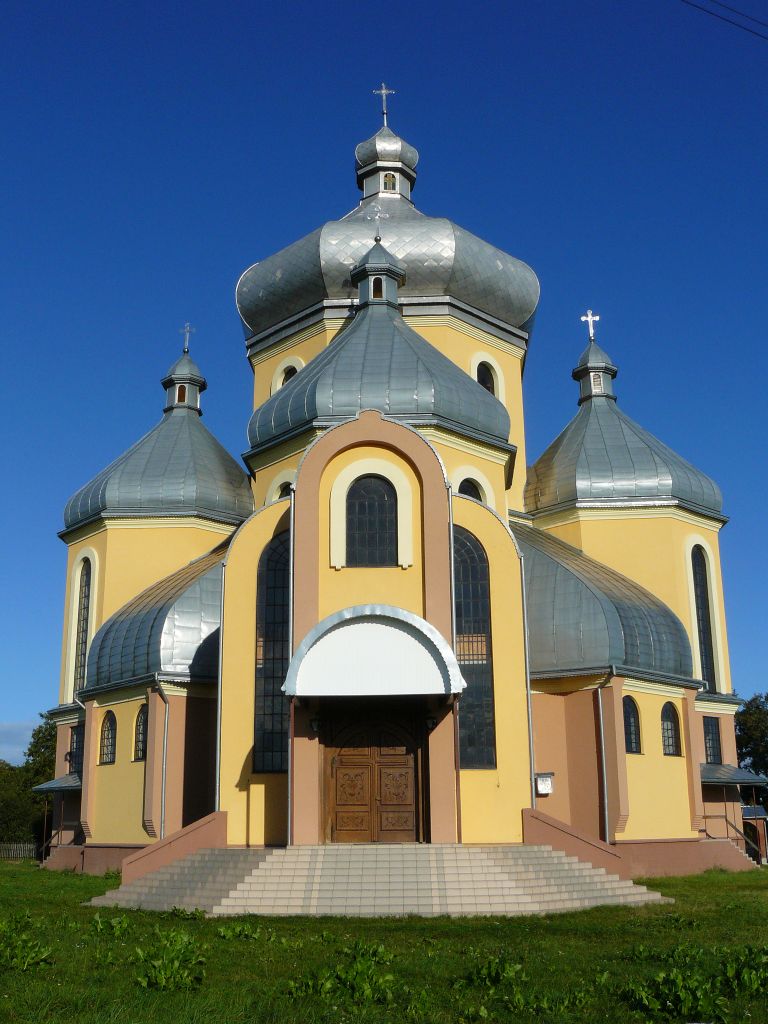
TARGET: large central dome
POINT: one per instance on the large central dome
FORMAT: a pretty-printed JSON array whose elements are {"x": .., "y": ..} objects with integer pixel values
[{"x": 440, "y": 258}]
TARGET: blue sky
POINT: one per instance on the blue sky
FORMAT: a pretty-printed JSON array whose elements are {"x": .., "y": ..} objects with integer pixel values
[{"x": 153, "y": 151}]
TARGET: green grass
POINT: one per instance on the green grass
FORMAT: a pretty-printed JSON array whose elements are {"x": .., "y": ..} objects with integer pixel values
[{"x": 565, "y": 967}]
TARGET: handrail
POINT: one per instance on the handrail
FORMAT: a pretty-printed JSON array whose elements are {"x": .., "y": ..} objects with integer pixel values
[{"x": 736, "y": 829}]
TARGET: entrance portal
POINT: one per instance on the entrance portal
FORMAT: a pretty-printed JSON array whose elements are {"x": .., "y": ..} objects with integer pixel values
[{"x": 372, "y": 780}]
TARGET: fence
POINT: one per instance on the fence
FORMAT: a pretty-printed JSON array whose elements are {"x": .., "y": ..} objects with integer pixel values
[{"x": 17, "y": 851}]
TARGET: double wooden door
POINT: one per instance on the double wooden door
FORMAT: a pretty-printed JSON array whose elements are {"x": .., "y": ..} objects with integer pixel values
[{"x": 372, "y": 785}]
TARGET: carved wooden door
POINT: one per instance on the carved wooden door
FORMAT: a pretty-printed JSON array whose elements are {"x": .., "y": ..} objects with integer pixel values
[{"x": 371, "y": 787}]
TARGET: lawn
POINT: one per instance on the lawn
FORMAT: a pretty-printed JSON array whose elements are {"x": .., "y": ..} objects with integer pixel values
[{"x": 704, "y": 958}]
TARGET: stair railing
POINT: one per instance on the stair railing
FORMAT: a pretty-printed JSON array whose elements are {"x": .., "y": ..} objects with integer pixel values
[{"x": 755, "y": 855}]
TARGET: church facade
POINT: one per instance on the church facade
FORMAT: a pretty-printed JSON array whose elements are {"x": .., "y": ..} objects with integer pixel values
[{"x": 387, "y": 627}]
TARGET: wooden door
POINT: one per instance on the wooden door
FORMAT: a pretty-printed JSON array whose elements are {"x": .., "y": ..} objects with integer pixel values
[{"x": 371, "y": 786}]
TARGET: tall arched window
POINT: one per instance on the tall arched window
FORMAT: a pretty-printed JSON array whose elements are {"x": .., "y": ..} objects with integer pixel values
[
  {"x": 270, "y": 745},
  {"x": 485, "y": 377},
  {"x": 378, "y": 288},
  {"x": 371, "y": 522},
  {"x": 670, "y": 731},
  {"x": 631, "y": 726},
  {"x": 181, "y": 393},
  {"x": 108, "y": 739},
  {"x": 140, "y": 734},
  {"x": 477, "y": 731},
  {"x": 81, "y": 629},
  {"x": 703, "y": 617}
]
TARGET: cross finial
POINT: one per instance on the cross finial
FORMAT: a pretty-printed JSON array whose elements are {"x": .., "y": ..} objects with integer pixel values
[
  {"x": 591, "y": 319},
  {"x": 186, "y": 330},
  {"x": 384, "y": 92},
  {"x": 378, "y": 215}
]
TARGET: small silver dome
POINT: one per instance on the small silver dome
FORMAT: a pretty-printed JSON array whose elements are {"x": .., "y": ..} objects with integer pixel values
[
  {"x": 584, "y": 616},
  {"x": 603, "y": 458},
  {"x": 386, "y": 147}
]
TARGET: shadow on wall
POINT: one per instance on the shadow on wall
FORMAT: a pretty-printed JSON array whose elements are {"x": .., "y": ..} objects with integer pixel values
[{"x": 199, "y": 793}]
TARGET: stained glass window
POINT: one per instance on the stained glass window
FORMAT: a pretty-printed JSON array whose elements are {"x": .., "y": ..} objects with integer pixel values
[
  {"x": 631, "y": 726},
  {"x": 270, "y": 745},
  {"x": 703, "y": 618},
  {"x": 108, "y": 739},
  {"x": 371, "y": 522},
  {"x": 670, "y": 730},
  {"x": 477, "y": 730},
  {"x": 712, "y": 749},
  {"x": 140, "y": 737},
  {"x": 81, "y": 630}
]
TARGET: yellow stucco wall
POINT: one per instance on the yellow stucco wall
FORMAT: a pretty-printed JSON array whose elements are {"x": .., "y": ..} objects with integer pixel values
[
  {"x": 492, "y": 799},
  {"x": 657, "y": 784},
  {"x": 297, "y": 349},
  {"x": 118, "y": 788},
  {"x": 256, "y": 805},
  {"x": 127, "y": 557},
  {"x": 653, "y": 547}
]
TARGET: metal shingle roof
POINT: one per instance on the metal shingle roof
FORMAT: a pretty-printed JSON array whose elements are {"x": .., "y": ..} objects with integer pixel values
[
  {"x": 730, "y": 775},
  {"x": 583, "y": 615}
]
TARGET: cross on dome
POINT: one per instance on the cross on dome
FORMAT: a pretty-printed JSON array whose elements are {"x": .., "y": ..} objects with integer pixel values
[
  {"x": 383, "y": 91},
  {"x": 591, "y": 319},
  {"x": 186, "y": 330}
]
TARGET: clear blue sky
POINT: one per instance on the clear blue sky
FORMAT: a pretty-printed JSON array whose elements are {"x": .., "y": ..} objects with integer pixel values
[{"x": 152, "y": 151}]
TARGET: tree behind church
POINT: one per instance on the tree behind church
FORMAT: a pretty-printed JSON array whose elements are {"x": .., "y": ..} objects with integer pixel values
[
  {"x": 22, "y": 812},
  {"x": 752, "y": 734}
]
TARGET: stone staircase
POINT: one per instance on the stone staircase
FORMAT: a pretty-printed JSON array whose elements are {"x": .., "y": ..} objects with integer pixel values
[{"x": 377, "y": 881}]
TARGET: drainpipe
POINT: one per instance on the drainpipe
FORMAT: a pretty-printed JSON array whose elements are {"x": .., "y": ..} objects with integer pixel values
[
  {"x": 291, "y": 711},
  {"x": 456, "y": 708},
  {"x": 601, "y": 731},
  {"x": 164, "y": 698}
]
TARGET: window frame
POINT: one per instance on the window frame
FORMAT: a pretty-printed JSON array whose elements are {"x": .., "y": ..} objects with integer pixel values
[
  {"x": 376, "y": 547},
  {"x": 671, "y": 739},
  {"x": 701, "y": 581},
  {"x": 711, "y": 725},
  {"x": 108, "y": 739},
  {"x": 633, "y": 739},
  {"x": 271, "y": 707},
  {"x": 140, "y": 751}
]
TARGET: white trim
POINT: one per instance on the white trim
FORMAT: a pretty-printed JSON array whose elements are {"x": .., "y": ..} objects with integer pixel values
[
  {"x": 715, "y": 608},
  {"x": 282, "y": 366},
  {"x": 439, "y": 672},
  {"x": 285, "y": 476},
  {"x": 498, "y": 376},
  {"x": 74, "y": 601},
  {"x": 479, "y": 479},
  {"x": 338, "y": 510}
]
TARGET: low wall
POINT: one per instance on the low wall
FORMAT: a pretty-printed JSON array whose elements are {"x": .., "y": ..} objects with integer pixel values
[
  {"x": 89, "y": 859},
  {"x": 635, "y": 859},
  {"x": 207, "y": 833}
]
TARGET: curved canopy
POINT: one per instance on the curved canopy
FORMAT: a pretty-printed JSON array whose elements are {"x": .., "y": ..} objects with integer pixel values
[
  {"x": 170, "y": 628},
  {"x": 583, "y": 615}
]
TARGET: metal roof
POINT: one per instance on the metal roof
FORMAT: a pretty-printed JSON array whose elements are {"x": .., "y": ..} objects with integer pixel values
[
  {"x": 178, "y": 468},
  {"x": 583, "y": 615},
  {"x": 440, "y": 258},
  {"x": 605, "y": 458},
  {"x": 185, "y": 369},
  {"x": 379, "y": 362},
  {"x": 730, "y": 775},
  {"x": 172, "y": 627},
  {"x": 387, "y": 147},
  {"x": 64, "y": 784},
  {"x": 755, "y": 812}
]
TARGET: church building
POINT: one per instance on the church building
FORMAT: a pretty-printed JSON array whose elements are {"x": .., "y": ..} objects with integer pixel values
[{"x": 386, "y": 625}]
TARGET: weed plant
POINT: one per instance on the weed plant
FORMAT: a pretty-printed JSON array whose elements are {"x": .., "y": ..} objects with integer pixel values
[{"x": 703, "y": 959}]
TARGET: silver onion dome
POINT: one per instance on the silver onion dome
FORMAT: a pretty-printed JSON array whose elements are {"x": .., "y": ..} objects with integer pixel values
[
  {"x": 604, "y": 459},
  {"x": 379, "y": 362},
  {"x": 440, "y": 258},
  {"x": 178, "y": 468}
]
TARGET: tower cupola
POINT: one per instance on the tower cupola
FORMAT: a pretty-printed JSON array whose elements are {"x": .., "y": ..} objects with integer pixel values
[
  {"x": 378, "y": 275},
  {"x": 184, "y": 382},
  {"x": 594, "y": 371},
  {"x": 385, "y": 163}
]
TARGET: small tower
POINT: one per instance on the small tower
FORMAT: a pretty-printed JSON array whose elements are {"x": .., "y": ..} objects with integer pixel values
[
  {"x": 184, "y": 383},
  {"x": 595, "y": 373},
  {"x": 378, "y": 275}
]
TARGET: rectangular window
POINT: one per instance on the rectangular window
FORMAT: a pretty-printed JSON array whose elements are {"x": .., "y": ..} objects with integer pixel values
[
  {"x": 76, "y": 743},
  {"x": 712, "y": 750}
]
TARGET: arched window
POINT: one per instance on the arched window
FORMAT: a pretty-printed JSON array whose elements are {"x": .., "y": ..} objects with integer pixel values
[
  {"x": 477, "y": 730},
  {"x": 108, "y": 739},
  {"x": 485, "y": 378},
  {"x": 670, "y": 731},
  {"x": 270, "y": 745},
  {"x": 631, "y": 726},
  {"x": 285, "y": 490},
  {"x": 378, "y": 289},
  {"x": 470, "y": 489},
  {"x": 703, "y": 617},
  {"x": 288, "y": 374},
  {"x": 81, "y": 630},
  {"x": 371, "y": 522},
  {"x": 140, "y": 734},
  {"x": 390, "y": 182},
  {"x": 181, "y": 393}
]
